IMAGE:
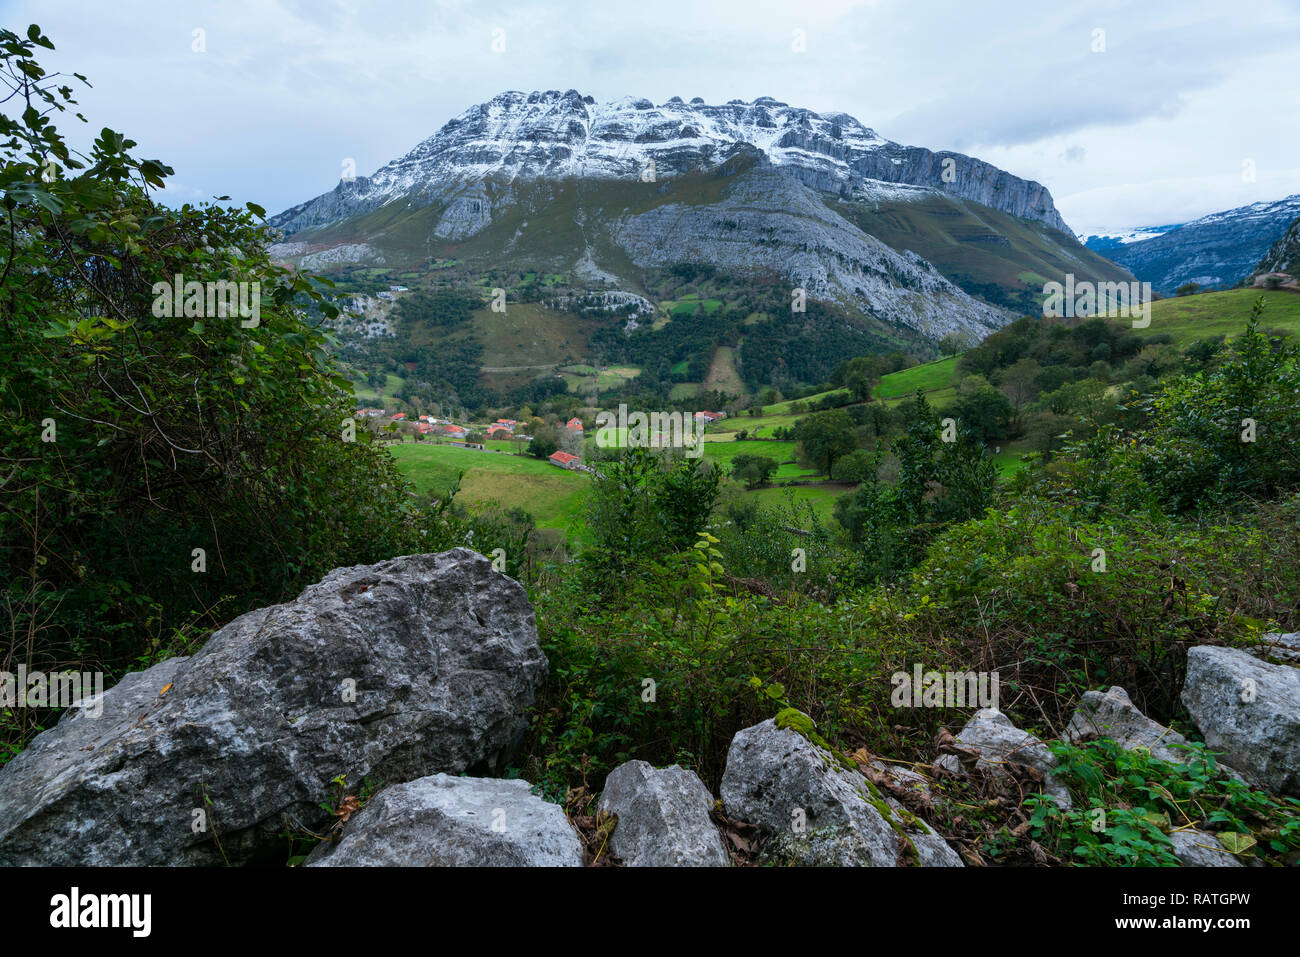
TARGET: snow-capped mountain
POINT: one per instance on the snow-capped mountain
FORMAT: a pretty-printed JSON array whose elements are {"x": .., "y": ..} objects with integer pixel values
[
  {"x": 560, "y": 184},
  {"x": 1220, "y": 249},
  {"x": 553, "y": 135},
  {"x": 1124, "y": 237}
]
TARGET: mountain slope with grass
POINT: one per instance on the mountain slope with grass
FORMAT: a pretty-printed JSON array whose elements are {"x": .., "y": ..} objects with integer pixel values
[{"x": 936, "y": 243}]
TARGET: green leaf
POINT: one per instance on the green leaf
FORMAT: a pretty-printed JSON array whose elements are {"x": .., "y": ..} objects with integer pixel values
[{"x": 1236, "y": 843}]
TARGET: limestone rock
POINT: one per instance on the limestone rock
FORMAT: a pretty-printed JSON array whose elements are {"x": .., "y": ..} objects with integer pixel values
[
  {"x": 446, "y": 821},
  {"x": 1112, "y": 715},
  {"x": 1284, "y": 648},
  {"x": 663, "y": 817},
  {"x": 810, "y": 809},
  {"x": 393, "y": 671},
  {"x": 1250, "y": 711},
  {"x": 998, "y": 741},
  {"x": 1196, "y": 848}
]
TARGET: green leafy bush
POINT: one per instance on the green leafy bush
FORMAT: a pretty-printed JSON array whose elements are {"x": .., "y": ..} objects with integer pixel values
[{"x": 1128, "y": 801}]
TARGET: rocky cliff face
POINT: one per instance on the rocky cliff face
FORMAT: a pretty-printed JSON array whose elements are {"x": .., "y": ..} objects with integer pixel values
[
  {"x": 1216, "y": 250},
  {"x": 768, "y": 220},
  {"x": 1284, "y": 256},
  {"x": 553, "y": 135}
]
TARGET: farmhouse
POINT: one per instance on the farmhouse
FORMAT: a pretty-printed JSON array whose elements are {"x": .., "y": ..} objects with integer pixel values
[
  {"x": 566, "y": 460},
  {"x": 574, "y": 424}
]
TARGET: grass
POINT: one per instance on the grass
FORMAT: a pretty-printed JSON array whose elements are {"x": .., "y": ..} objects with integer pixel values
[
  {"x": 928, "y": 377},
  {"x": 583, "y": 379},
  {"x": 1188, "y": 318},
  {"x": 780, "y": 408},
  {"x": 723, "y": 376},
  {"x": 760, "y": 426},
  {"x": 821, "y": 497},
  {"x": 555, "y": 498},
  {"x": 368, "y": 396},
  {"x": 1009, "y": 461},
  {"x": 722, "y": 452}
]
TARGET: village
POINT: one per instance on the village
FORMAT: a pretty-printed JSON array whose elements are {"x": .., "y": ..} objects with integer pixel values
[{"x": 506, "y": 435}]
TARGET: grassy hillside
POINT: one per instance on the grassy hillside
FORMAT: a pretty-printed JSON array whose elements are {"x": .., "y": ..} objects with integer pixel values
[
  {"x": 1188, "y": 318},
  {"x": 988, "y": 253},
  {"x": 551, "y": 495},
  {"x": 928, "y": 377}
]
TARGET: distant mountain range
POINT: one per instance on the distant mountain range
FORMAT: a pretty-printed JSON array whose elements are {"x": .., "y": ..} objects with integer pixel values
[
  {"x": 1220, "y": 249},
  {"x": 1103, "y": 241},
  {"x": 898, "y": 236}
]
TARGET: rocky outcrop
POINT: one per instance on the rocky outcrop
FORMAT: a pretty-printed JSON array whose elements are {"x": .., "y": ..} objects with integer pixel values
[
  {"x": 446, "y": 821},
  {"x": 1249, "y": 710},
  {"x": 996, "y": 742},
  {"x": 931, "y": 849},
  {"x": 663, "y": 817},
  {"x": 813, "y": 808},
  {"x": 969, "y": 178},
  {"x": 392, "y": 671},
  {"x": 1284, "y": 255},
  {"x": 766, "y": 220},
  {"x": 1112, "y": 715}
]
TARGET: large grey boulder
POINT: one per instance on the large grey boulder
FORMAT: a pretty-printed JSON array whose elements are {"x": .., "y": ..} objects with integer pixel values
[
  {"x": 1112, "y": 715},
  {"x": 394, "y": 671},
  {"x": 1250, "y": 711},
  {"x": 446, "y": 821},
  {"x": 1196, "y": 848},
  {"x": 998, "y": 742},
  {"x": 810, "y": 808},
  {"x": 663, "y": 817}
]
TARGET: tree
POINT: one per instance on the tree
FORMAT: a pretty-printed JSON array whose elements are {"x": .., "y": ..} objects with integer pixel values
[
  {"x": 1019, "y": 384},
  {"x": 939, "y": 483},
  {"x": 858, "y": 466},
  {"x": 984, "y": 411},
  {"x": 1229, "y": 433},
  {"x": 952, "y": 344},
  {"x": 157, "y": 462},
  {"x": 858, "y": 375},
  {"x": 545, "y": 442},
  {"x": 825, "y": 436},
  {"x": 753, "y": 470},
  {"x": 645, "y": 504}
]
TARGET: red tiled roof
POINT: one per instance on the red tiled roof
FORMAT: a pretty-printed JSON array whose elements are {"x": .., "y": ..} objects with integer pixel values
[{"x": 564, "y": 458}]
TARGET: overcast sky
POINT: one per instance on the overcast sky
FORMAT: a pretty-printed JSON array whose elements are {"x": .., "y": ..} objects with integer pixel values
[{"x": 1132, "y": 113}]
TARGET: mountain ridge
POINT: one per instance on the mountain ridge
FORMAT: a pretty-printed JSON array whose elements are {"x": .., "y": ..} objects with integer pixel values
[
  {"x": 1219, "y": 249},
  {"x": 605, "y": 194},
  {"x": 518, "y": 135}
]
